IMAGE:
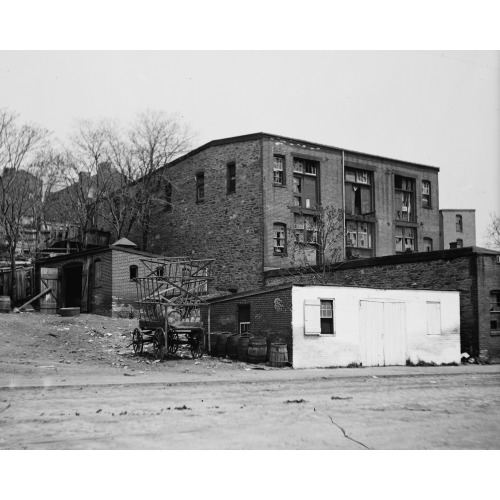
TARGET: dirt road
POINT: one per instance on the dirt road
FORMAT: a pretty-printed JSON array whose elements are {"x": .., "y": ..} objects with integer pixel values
[{"x": 121, "y": 401}]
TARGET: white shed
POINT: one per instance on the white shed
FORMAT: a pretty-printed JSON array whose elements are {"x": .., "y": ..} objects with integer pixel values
[{"x": 338, "y": 326}]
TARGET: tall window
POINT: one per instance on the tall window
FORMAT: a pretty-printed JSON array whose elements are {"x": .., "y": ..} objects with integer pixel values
[
  {"x": 458, "y": 223},
  {"x": 305, "y": 184},
  {"x": 279, "y": 170},
  {"x": 405, "y": 239},
  {"x": 200, "y": 186},
  {"x": 279, "y": 231},
  {"x": 358, "y": 192},
  {"x": 133, "y": 272},
  {"x": 427, "y": 244},
  {"x": 359, "y": 234},
  {"x": 168, "y": 196},
  {"x": 495, "y": 312},
  {"x": 326, "y": 317},
  {"x": 426, "y": 194},
  {"x": 243, "y": 318},
  {"x": 231, "y": 178},
  {"x": 404, "y": 198}
]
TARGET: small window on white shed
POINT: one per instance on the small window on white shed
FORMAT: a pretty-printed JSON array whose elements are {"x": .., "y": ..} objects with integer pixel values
[
  {"x": 433, "y": 318},
  {"x": 319, "y": 317}
]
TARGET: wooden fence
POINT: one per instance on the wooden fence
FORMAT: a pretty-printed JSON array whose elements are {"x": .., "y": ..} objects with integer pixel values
[{"x": 24, "y": 280}]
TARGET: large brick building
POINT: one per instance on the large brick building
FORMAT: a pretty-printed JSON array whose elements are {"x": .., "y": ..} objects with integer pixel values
[
  {"x": 457, "y": 228},
  {"x": 249, "y": 202}
]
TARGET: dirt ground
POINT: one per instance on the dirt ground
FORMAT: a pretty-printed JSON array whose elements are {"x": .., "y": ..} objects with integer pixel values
[{"x": 75, "y": 383}]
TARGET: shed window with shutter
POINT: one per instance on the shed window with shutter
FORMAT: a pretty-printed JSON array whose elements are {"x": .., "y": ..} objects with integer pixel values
[
  {"x": 433, "y": 311},
  {"x": 319, "y": 317}
]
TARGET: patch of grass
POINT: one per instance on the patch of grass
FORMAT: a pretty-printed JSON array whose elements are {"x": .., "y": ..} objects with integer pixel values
[
  {"x": 409, "y": 362},
  {"x": 354, "y": 364}
]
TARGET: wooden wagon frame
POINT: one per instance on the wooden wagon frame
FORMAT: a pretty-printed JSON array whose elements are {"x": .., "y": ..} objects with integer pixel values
[{"x": 171, "y": 297}]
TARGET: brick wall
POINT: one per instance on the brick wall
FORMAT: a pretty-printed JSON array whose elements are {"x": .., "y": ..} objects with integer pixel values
[
  {"x": 227, "y": 227},
  {"x": 270, "y": 316},
  {"x": 449, "y": 270}
]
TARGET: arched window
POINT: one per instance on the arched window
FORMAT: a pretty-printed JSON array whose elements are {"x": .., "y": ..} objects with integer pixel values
[{"x": 133, "y": 270}]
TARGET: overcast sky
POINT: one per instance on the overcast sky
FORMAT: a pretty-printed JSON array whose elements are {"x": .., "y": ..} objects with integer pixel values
[{"x": 436, "y": 108}]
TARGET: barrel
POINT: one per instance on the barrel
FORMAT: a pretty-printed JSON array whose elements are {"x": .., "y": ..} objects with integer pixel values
[
  {"x": 221, "y": 344},
  {"x": 257, "y": 350},
  {"x": 4, "y": 304},
  {"x": 278, "y": 355},
  {"x": 232, "y": 345},
  {"x": 66, "y": 312},
  {"x": 213, "y": 344},
  {"x": 243, "y": 346}
]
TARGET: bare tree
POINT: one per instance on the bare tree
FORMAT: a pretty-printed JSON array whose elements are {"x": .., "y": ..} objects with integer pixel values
[
  {"x": 492, "y": 234},
  {"x": 20, "y": 181},
  {"x": 155, "y": 139}
]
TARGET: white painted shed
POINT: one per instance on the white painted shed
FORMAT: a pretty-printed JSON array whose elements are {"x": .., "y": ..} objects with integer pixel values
[{"x": 337, "y": 326}]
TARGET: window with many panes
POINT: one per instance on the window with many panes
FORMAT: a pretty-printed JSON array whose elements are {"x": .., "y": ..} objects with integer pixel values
[
  {"x": 404, "y": 198},
  {"x": 359, "y": 234},
  {"x": 200, "y": 186},
  {"x": 326, "y": 317},
  {"x": 426, "y": 194},
  {"x": 231, "y": 178},
  {"x": 358, "y": 191},
  {"x": 305, "y": 183},
  {"x": 495, "y": 312},
  {"x": 458, "y": 223},
  {"x": 279, "y": 234},
  {"x": 405, "y": 239},
  {"x": 279, "y": 170},
  {"x": 306, "y": 229}
]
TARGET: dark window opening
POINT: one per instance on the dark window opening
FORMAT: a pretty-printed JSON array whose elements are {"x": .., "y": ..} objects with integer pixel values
[
  {"x": 133, "y": 272},
  {"x": 358, "y": 192},
  {"x": 326, "y": 316},
  {"x": 159, "y": 271},
  {"x": 231, "y": 178},
  {"x": 244, "y": 318}
]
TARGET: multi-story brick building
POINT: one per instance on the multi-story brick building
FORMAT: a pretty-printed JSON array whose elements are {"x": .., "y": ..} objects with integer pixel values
[
  {"x": 250, "y": 202},
  {"x": 457, "y": 228}
]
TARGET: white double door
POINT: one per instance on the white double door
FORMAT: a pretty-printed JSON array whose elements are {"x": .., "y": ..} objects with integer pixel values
[{"x": 382, "y": 333}]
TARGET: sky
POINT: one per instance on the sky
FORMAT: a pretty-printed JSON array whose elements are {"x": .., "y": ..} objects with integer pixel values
[{"x": 439, "y": 108}]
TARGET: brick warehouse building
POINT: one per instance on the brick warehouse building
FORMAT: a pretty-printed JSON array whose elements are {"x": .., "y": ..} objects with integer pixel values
[
  {"x": 249, "y": 202},
  {"x": 99, "y": 280},
  {"x": 473, "y": 271}
]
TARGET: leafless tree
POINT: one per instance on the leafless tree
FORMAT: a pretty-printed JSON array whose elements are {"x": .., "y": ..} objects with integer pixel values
[
  {"x": 492, "y": 234},
  {"x": 21, "y": 181}
]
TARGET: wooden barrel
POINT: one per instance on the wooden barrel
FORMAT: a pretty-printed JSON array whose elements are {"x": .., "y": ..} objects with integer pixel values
[
  {"x": 213, "y": 344},
  {"x": 221, "y": 344},
  {"x": 243, "y": 346},
  {"x": 4, "y": 304},
  {"x": 257, "y": 350},
  {"x": 232, "y": 345},
  {"x": 278, "y": 355}
]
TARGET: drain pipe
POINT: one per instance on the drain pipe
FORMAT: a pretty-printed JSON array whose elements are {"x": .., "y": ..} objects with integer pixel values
[{"x": 343, "y": 205}]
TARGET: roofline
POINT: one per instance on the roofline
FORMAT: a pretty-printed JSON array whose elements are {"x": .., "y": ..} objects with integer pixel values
[
  {"x": 457, "y": 209},
  {"x": 265, "y": 135},
  {"x": 249, "y": 293}
]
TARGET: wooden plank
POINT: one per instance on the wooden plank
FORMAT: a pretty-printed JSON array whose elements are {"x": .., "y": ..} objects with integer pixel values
[{"x": 34, "y": 298}]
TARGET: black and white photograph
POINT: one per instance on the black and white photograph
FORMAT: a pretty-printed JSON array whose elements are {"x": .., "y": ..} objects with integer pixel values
[{"x": 211, "y": 243}]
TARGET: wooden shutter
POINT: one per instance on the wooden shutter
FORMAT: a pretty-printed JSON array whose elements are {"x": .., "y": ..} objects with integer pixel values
[
  {"x": 312, "y": 319},
  {"x": 366, "y": 200},
  {"x": 309, "y": 192}
]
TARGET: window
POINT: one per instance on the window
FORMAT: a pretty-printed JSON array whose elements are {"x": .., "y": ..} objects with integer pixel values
[
  {"x": 243, "y": 318},
  {"x": 495, "y": 312},
  {"x": 279, "y": 170},
  {"x": 405, "y": 239},
  {"x": 97, "y": 273},
  {"x": 404, "y": 198},
  {"x": 200, "y": 186},
  {"x": 460, "y": 243},
  {"x": 359, "y": 234},
  {"x": 426, "y": 194},
  {"x": 168, "y": 196},
  {"x": 358, "y": 192},
  {"x": 159, "y": 271},
  {"x": 326, "y": 317},
  {"x": 427, "y": 244},
  {"x": 133, "y": 272},
  {"x": 458, "y": 223},
  {"x": 231, "y": 178},
  {"x": 433, "y": 312},
  {"x": 306, "y": 229},
  {"x": 305, "y": 186},
  {"x": 279, "y": 233}
]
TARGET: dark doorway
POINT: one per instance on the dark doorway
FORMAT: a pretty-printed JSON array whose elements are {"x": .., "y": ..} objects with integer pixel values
[
  {"x": 244, "y": 318},
  {"x": 72, "y": 285}
]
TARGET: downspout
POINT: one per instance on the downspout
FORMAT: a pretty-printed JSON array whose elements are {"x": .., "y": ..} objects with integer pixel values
[{"x": 343, "y": 205}]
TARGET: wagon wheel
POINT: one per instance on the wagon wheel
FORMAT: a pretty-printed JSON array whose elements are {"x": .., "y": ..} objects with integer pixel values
[
  {"x": 173, "y": 342},
  {"x": 159, "y": 343},
  {"x": 137, "y": 341},
  {"x": 197, "y": 344}
]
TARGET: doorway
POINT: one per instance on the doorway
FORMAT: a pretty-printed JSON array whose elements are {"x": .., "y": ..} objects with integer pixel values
[{"x": 72, "y": 285}]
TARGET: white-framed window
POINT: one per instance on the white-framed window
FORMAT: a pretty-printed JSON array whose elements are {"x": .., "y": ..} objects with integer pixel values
[
  {"x": 405, "y": 238},
  {"x": 326, "y": 317},
  {"x": 279, "y": 170},
  {"x": 319, "y": 317},
  {"x": 433, "y": 313},
  {"x": 279, "y": 235}
]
